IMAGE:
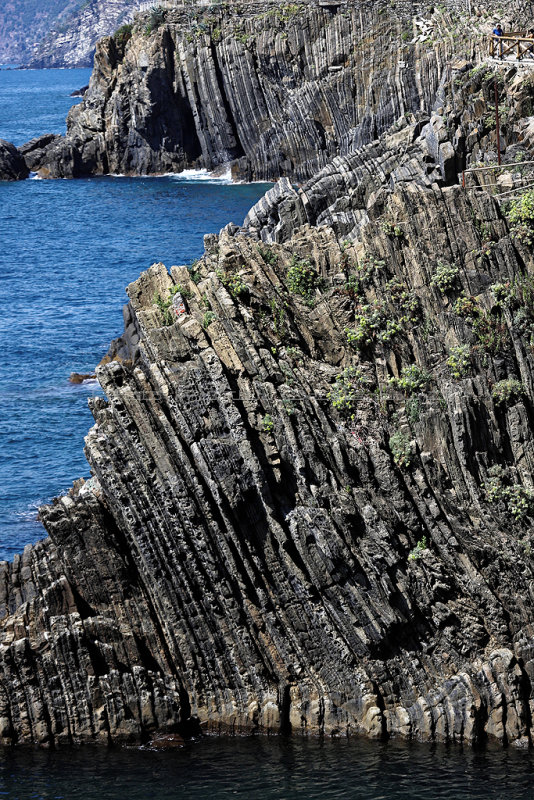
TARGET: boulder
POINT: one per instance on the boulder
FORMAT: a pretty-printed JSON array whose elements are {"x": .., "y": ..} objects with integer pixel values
[{"x": 12, "y": 164}]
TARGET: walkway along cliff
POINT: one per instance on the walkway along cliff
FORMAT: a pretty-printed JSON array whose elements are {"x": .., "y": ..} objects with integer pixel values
[{"x": 312, "y": 487}]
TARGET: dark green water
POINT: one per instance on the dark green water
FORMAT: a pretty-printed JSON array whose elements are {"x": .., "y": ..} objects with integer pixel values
[{"x": 270, "y": 769}]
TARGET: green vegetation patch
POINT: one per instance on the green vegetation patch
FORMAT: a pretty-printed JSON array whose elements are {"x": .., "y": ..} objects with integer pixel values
[
  {"x": 459, "y": 361},
  {"x": 517, "y": 500},
  {"x": 156, "y": 17},
  {"x": 445, "y": 276},
  {"x": 507, "y": 391},
  {"x": 412, "y": 379},
  {"x": 349, "y": 386},
  {"x": 418, "y": 550},
  {"x": 165, "y": 305},
  {"x": 521, "y": 217},
  {"x": 303, "y": 280},
  {"x": 401, "y": 449},
  {"x": 123, "y": 35}
]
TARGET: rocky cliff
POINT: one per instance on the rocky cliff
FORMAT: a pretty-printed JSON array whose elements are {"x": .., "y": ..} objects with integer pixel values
[
  {"x": 71, "y": 41},
  {"x": 312, "y": 485},
  {"x": 268, "y": 91},
  {"x": 23, "y": 23},
  {"x": 57, "y": 33}
]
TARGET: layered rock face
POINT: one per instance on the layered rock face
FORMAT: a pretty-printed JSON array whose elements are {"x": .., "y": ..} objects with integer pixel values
[
  {"x": 312, "y": 484},
  {"x": 23, "y": 23},
  {"x": 273, "y": 91},
  {"x": 57, "y": 33},
  {"x": 311, "y": 500},
  {"x": 71, "y": 42}
]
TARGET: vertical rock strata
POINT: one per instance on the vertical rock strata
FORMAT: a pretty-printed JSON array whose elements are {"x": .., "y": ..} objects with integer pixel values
[
  {"x": 266, "y": 90},
  {"x": 303, "y": 515}
]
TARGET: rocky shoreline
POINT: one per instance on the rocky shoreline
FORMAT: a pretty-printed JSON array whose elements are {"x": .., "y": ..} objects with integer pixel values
[
  {"x": 267, "y": 91},
  {"x": 312, "y": 487}
]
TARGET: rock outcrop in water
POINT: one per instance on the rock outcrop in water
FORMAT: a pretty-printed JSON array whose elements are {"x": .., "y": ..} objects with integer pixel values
[
  {"x": 12, "y": 164},
  {"x": 273, "y": 91},
  {"x": 313, "y": 477}
]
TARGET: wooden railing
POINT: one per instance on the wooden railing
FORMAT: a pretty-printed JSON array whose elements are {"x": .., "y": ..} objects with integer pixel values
[{"x": 516, "y": 45}]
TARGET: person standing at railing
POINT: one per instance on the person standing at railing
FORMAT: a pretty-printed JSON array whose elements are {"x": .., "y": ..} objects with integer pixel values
[{"x": 498, "y": 31}]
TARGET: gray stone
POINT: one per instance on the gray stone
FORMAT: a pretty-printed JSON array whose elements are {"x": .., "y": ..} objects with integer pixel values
[{"x": 12, "y": 164}]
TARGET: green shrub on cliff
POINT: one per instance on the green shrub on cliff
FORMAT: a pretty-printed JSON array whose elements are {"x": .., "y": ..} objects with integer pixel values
[
  {"x": 348, "y": 386},
  {"x": 123, "y": 35},
  {"x": 521, "y": 217},
  {"x": 466, "y": 306},
  {"x": 445, "y": 276},
  {"x": 165, "y": 305},
  {"x": 302, "y": 279},
  {"x": 406, "y": 302},
  {"x": 412, "y": 379},
  {"x": 491, "y": 332},
  {"x": 268, "y": 423},
  {"x": 369, "y": 319},
  {"x": 517, "y": 500},
  {"x": 459, "y": 361},
  {"x": 418, "y": 550},
  {"x": 278, "y": 317},
  {"x": 156, "y": 18},
  {"x": 234, "y": 283},
  {"x": 285, "y": 13},
  {"x": 522, "y": 209},
  {"x": 268, "y": 255},
  {"x": 507, "y": 390},
  {"x": 401, "y": 449},
  {"x": 209, "y": 317}
]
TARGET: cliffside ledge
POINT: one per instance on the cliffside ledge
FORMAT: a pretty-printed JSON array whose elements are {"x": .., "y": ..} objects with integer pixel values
[{"x": 312, "y": 487}]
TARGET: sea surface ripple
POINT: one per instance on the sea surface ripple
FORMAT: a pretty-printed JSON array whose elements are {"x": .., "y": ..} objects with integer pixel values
[{"x": 67, "y": 251}]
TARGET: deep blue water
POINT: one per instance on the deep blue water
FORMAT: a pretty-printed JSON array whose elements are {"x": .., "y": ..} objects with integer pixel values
[
  {"x": 67, "y": 251},
  {"x": 33, "y": 102}
]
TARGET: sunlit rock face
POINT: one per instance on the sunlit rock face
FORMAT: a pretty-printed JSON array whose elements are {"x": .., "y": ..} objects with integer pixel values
[{"x": 312, "y": 492}]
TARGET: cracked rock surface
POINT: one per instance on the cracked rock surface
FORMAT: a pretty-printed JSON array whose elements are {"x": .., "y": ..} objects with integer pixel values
[
  {"x": 264, "y": 90},
  {"x": 302, "y": 516},
  {"x": 312, "y": 485}
]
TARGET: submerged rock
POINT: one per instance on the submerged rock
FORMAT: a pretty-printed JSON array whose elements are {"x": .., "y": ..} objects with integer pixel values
[
  {"x": 79, "y": 92},
  {"x": 79, "y": 377}
]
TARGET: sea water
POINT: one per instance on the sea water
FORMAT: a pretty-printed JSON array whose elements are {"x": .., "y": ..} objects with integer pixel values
[
  {"x": 67, "y": 250},
  {"x": 269, "y": 768}
]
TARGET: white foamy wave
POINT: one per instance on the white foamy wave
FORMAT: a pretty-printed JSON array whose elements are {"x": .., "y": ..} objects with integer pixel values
[
  {"x": 91, "y": 383},
  {"x": 202, "y": 175},
  {"x": 29, "y": 514},
  {"x": 187, "y": 176}
]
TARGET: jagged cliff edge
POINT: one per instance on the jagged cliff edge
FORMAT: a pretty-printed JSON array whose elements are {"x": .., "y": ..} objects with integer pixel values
[{"x": 311, "y": 499}]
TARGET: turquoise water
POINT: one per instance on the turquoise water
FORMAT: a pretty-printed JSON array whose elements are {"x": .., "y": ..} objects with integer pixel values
[{"x": 67, "y": 251}]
